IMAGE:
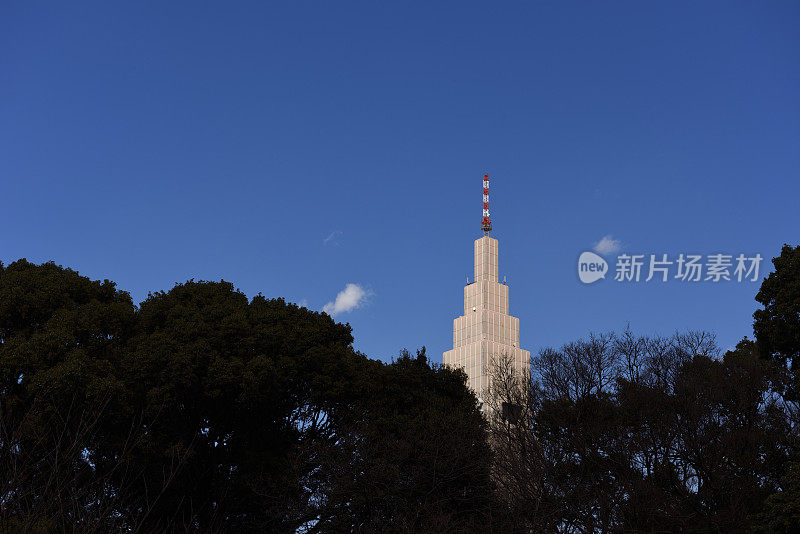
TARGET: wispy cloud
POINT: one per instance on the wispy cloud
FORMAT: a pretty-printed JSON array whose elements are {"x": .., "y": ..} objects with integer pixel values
[
  {"x": 348, "y": 299},
  {"x": 608, "y": 245},
  {"x": 332, "y": 237}
]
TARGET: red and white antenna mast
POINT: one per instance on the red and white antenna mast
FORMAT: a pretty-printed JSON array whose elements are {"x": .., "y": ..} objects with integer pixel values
[{"x": 486, "y": 222}]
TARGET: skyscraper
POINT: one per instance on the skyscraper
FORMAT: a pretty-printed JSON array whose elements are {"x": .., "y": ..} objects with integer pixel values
[{"x": 486, "y": 330}]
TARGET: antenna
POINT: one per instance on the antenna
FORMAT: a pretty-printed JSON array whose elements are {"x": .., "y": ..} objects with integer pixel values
[{"x": 486, "y": 223}]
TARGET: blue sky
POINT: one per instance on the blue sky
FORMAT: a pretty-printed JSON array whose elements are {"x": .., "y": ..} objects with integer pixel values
[{"x": 297, "y": 147}]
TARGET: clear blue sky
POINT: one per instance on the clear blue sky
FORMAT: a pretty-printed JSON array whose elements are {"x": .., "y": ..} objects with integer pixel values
[{"x": 153, "y": 142}]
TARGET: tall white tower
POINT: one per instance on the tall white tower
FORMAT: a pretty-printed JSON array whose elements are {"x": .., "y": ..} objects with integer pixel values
[{"x": 486, "y": 330}]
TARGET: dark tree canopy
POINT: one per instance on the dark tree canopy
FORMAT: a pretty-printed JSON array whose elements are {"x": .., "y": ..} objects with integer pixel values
[
  {"x": 777, "y": 325},
  {"x": 641, "y": 434},
  {"x": 204, "y": 411},
  {"x": 60, "y": 343}
]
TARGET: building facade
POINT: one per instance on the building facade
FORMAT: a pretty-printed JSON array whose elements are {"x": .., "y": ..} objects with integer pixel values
[{"x": 486, "y": 330}]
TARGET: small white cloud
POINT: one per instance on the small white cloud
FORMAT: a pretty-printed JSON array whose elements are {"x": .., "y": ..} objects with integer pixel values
[
  {"x": 303, "y": 303},
  {"x": 332, "y": 237},
  {"x": 348, "y": 299},
  {"x": 608, "y": 245}
]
